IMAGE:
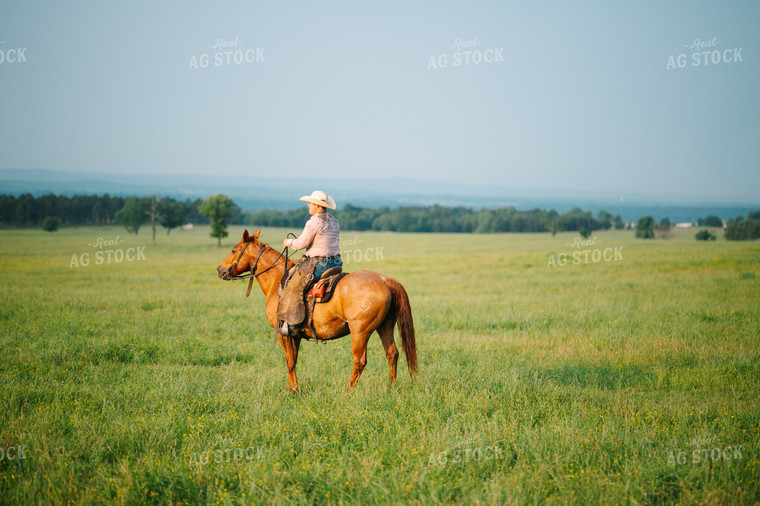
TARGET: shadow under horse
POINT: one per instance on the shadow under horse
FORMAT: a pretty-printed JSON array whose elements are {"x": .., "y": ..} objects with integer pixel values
[{"x": 363, "y": 302}]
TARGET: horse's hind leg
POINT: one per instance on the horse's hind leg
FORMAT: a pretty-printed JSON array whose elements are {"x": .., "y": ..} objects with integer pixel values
[
  {"x": 385, "y": 330},
  {"x": 359, "y": 350}
]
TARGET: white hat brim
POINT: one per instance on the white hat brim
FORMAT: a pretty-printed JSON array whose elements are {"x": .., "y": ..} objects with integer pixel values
[{"x": 329, "y": 203}]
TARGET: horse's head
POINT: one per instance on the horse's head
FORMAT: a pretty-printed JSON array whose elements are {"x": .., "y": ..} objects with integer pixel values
[{"x": 239, "y": 260}]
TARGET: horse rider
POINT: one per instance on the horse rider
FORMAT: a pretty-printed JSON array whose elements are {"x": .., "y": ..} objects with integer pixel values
[{"x": 321, "y": 238}]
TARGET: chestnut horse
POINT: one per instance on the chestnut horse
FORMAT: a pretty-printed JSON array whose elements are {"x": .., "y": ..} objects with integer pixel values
[{"x": 363, "y": 302}]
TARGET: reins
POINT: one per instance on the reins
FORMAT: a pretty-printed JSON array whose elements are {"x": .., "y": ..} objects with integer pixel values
[{"x": 253, "y": 274}]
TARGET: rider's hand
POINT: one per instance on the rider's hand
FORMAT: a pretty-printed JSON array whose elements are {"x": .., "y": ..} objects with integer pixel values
[{"x": 285, "y": 243}]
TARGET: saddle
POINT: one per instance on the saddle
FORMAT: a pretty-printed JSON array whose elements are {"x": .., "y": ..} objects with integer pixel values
[
  {"x": 295, "y": 307},
  {"x": 320, "y": 293}
]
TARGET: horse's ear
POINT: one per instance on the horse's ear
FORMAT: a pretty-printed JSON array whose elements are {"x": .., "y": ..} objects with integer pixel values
[
  {"x": 245, "y": 236},
  {"x": 256, "y": 235}
]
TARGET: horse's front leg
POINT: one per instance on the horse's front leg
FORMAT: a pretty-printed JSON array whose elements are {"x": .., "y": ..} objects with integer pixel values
[{"x": 290, "y": 346}]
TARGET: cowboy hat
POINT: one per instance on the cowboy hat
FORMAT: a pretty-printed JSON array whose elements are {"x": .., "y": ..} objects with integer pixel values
[{"x": 320, "y": 198}]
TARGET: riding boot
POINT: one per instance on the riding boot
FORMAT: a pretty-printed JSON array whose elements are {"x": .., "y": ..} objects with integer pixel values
[{"x": 285, "y": 330}]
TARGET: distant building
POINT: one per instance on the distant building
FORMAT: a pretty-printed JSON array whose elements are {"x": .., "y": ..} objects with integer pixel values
[{"x": 686, "y": 224}]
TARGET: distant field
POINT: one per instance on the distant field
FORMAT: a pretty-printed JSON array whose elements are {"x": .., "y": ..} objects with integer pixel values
[{"x": 631, "y": 379}]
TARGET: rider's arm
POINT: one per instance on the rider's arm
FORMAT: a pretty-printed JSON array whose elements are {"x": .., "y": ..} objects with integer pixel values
[{"x": 306, "y": 237}]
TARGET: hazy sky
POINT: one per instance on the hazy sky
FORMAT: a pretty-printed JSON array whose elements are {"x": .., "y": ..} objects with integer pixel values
[{"x": 533, "y": 94}]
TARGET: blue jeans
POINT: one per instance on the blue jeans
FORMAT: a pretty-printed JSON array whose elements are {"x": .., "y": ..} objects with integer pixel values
[{"x": 321, "y": 267}]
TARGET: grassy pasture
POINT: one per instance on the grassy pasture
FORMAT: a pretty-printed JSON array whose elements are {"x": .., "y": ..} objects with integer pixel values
[{"x": 152, "y": 381}]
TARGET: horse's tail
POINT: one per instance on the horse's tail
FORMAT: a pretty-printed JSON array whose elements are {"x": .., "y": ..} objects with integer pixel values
[{"x": 402, "y": 312}]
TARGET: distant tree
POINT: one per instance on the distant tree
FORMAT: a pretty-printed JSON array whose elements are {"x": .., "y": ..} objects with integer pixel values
[
  {"x": 705, "y": 235},
  {"x": 50, "y": 224},
  {"x": 97, "y": 212},
  {"x": 48, "y": 206},
  {"x": 485, "y": 222},
  {"x": 7, "y": 209},
  {"x": 153, "y": 214},
  {"x": 80, "y": 209},
  {"x": 194, "y": 215},
  {"x": 584, "y": 232},
  {"x": 552, "y": 217},
  {"x": 26, "y": 214},
  {"x": 710, "y": 221},
  {"x": 218, "y": 208},
  {"x": 576, "y": 218},
  {"x": 115, "y": 203},
  {"x": 619, "y": 225},
  {"x": 645, "y": 228},
  {"x": 663, "y": 231},
  {"x": 742, "y": 229},
  {"x": 605, "y": 219},
  {"x": 172, "y": 214},
  {"x": 134, "y": 213}
]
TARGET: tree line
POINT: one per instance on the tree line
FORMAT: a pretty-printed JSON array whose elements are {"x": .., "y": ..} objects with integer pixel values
[
  {"x": 736, "y": 229},
  {"x": 445, "y": 219},
  {"x": 133, "y": 212},
  {"x": 81, "y": 210},
  {"x": 744, "y": 229},
  {"x": 51, "y": 210}
]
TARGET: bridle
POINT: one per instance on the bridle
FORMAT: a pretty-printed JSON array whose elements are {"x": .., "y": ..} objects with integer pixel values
[{"x": 253, "y": 274}]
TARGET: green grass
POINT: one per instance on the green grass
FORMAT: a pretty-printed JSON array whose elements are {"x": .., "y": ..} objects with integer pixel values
[{"x": 153, "y": 381}]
